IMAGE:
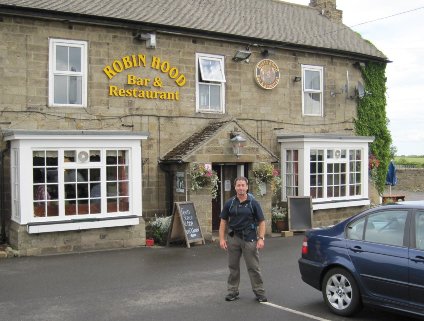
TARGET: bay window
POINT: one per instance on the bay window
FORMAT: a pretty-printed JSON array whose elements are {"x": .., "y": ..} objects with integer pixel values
[
  {"x": 333, "y": 170},
  {"x": 75, "y": 181}
]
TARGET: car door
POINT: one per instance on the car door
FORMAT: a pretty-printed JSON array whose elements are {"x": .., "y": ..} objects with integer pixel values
[
  {"x": 416, "y": 261},
  {"x": 376, "y": 247}
]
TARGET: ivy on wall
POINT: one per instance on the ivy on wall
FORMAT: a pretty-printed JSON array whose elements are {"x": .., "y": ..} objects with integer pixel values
[{"x": 372, "y": 120}]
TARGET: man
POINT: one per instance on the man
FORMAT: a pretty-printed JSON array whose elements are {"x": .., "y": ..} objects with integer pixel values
[{"x": 242, "y": 215}]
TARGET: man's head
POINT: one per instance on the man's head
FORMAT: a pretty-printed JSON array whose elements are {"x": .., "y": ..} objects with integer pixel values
[{"x": 241, "y": 185}]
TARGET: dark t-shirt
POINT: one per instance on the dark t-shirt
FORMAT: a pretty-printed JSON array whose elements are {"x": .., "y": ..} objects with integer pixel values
[{"x": 243, "y": 217}]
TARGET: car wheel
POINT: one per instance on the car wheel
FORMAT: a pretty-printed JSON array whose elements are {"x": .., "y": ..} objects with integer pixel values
[{"x": 340, "y": 292}]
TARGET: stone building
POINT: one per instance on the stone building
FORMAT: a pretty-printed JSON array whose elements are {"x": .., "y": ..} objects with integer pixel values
[{"x": 107, "y": 105}]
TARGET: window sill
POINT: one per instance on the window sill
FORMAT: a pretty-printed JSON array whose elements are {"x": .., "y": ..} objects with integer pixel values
[
  {"x": 83, "y": 224},
  {"x": 327, "y": 204}
]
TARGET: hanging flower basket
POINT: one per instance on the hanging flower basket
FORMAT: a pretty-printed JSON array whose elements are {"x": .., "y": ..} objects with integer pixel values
[
  {"x": 202, "y": 177},
  {"x": 265, "y": 173}
]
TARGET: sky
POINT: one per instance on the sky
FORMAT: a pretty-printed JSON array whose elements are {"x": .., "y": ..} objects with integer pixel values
[{"x": 400, "y": 36}]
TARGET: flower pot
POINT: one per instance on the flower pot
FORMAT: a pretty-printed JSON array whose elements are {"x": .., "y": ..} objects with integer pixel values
[
  {"x": 150, "y": 242},
  {"x": 280, "y": 226}
]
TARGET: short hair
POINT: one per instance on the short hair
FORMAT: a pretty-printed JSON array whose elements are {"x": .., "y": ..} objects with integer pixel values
[{"x": 241, "y": 178}]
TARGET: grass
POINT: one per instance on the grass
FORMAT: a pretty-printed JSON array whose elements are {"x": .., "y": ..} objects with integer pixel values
[{"x": 418, "y": 161}]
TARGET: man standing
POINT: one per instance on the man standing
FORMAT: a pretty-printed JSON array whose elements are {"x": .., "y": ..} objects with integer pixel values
[{"x": 243, "y": 215}]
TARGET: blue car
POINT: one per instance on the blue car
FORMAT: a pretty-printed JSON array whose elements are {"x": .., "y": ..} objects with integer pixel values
[{"x": 373, "y": 258}]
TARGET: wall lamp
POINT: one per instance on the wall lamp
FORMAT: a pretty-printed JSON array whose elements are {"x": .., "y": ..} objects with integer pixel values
[
  {"x": 241, "y": 55},
  {"x": 297, "y": 78},
  {"x": 150, "y": 39},
  {"x": 238, "y": 143}
]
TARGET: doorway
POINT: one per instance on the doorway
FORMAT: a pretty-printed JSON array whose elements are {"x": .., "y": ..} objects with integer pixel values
[{"x": 227, "y": 173}]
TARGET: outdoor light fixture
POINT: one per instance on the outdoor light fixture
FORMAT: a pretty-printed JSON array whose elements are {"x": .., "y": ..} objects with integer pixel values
[
  {"x": 241, "y": 55},
  {"x": 238, "y": 143},
  {"x": 297, "y": 79}
]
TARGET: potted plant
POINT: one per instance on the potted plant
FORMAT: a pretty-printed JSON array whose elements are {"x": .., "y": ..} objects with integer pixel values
[{"x": 279, "y": 219}]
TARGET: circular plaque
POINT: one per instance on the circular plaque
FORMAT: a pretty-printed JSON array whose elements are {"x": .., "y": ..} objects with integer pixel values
[{"x": 267, "y": 74}]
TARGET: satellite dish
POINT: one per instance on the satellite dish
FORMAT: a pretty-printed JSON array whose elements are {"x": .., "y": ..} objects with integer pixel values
[{"x": 361, "y": 90}]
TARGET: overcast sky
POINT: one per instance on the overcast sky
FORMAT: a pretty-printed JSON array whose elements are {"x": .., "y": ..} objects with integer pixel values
[{"x": 400, "y": 36}]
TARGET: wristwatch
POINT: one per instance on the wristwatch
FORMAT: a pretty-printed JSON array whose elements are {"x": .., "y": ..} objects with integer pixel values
[{"x": 262, "y": 238}]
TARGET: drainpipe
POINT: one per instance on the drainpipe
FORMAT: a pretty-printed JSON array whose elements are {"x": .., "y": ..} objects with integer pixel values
[{"x": 2, "y": 199}]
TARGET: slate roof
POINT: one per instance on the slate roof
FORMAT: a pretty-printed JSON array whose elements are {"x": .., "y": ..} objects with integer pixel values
[
  {"x": 187, "y": 146},
  {"x": 264, "y": 21}
]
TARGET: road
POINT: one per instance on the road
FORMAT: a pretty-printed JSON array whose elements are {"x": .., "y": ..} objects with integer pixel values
[{"x": 173, "y": 283}]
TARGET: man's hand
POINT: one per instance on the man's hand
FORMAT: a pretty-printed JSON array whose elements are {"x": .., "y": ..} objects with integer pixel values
[
  {"x": 223, "y": 244},
  {"x": 260, "y": 244}
]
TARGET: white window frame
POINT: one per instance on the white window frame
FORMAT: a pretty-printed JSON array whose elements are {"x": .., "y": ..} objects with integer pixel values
[
  {"x": 23, "y": 143},
  {"x": 319, "y": 91},
  {"x": 218, "y": 81},
  {"x": 83, "y": 74},
  {"x": 305, "y": 144}
]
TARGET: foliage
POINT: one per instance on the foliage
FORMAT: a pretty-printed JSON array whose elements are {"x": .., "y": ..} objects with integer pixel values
[
  {"x": 202, "y": 177},
  {"x": 411, "y": 161},
  {"x": 266, "y": 173},
  {"x": 278, "y": 213},
  {"x": 158, "y": 228},
  {"x": 372, "y": 120}
]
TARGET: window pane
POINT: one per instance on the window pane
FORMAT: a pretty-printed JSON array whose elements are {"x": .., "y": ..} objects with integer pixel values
[
  {"x": 215, "y": 99},
  {"x": 75, "y": 59},
  {"x": 355, "y": 229},
  {"x": 312, "y": 103},
  {"x": 60, "y": 89},
  {"x": 211, "y": 70},
  {"x": 419, "y": 230},
  {"x": 61, "y": 58},
  {"x": 312, "y": 80},
  {"x": 387, "y": 227},
  {"x": 75, "y": 90},
  {"x": 204, "y": 96}
]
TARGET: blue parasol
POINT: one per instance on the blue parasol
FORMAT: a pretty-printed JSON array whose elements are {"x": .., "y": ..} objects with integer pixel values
[{"x": 391, "y": 178}]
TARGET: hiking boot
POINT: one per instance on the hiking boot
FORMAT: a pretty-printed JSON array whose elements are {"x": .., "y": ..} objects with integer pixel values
[
  {"x": 232, "y": 296},
  {"x": 261, "y": 298}
]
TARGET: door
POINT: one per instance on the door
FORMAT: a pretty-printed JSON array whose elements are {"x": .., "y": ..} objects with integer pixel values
[
  {"x": 227, "y": 173},
  {"x": 416, "y": 262},
  {"x": 380, "y": 256}
]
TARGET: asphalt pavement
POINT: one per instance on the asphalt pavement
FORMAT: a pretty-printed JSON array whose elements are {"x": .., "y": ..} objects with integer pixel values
[{"x": 159, "y": 283}]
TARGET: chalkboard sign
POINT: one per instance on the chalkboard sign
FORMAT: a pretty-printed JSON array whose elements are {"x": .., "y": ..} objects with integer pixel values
[
  {"x": 300, "y": 212},
  {"x": 184, "y": 224}
]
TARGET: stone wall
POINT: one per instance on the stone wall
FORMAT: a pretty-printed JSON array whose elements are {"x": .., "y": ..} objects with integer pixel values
[{"x": 410, "y": 179}]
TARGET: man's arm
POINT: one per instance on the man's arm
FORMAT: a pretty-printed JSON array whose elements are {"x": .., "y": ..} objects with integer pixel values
[
  {"x": 222, "y": 230},
  {"x": 261, "y": 235}
]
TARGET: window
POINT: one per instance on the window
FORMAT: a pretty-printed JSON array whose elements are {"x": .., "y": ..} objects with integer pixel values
[
  {"x": 210, "y": 83},
  {"x": 312, "y": 77},
  {"x": 329, "y": 172},
  {"x": 386, "y": 227},
  {"x": 58, "y": 187},
  {"x": 332, "y": 169},
  {"x": 67, "y": 73},
  {"x": 419, "y": 230},
  {"x": 292, "y": 173}
]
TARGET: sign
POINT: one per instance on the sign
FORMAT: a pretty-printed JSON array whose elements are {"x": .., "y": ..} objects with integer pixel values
[
  {"x": 136, "y": 85},
  {"x": 300, "y": 212},
  {"x": 184, "y": 224},
  {"x": 267, "y": 74}
]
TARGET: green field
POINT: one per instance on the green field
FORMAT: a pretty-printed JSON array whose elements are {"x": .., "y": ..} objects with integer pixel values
[{"x": 418, "y": 161}]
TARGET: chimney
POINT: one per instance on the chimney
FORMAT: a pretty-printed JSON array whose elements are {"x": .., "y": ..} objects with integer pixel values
[{"x": 328, "y": 9}]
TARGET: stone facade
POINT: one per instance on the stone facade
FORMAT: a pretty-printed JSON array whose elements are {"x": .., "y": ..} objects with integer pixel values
[{"x": 263, "y": 114}]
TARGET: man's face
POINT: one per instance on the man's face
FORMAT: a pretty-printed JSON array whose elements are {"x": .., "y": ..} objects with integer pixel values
[{"x": 241, "y": 187}]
